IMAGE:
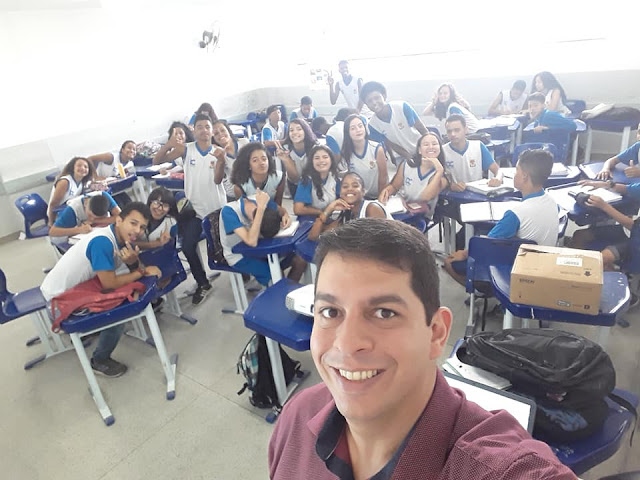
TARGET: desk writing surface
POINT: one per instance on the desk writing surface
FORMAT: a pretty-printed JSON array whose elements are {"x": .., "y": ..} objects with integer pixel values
[{"x": 592, "y": 169}]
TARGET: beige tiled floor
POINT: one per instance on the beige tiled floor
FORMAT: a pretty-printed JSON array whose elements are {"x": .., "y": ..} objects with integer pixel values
[{"x": 51, "y": 429}]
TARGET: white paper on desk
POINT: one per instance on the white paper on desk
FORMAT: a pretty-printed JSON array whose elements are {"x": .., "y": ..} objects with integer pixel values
[
  {"x": 485, "y": 211},
  {"x": 290, "y": 230},
  {"x": 395, "y": 205},
  {"x": 606, "y": 195},
  {"x": 482, "y": 186},
  {"x": 161, "y": 175},
  {"x": 157, "y": 168},
  {"x": 559, "y": 170},
  {"x": 455, "y": 366}
]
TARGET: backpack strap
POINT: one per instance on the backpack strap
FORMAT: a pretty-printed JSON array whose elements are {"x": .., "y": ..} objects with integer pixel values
[{"x": 628, "y": 406}]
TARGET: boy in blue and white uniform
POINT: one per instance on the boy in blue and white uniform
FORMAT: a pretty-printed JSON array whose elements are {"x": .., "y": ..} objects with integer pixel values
[
  {"x": 305, "y": 111},
  {"x": 466, "y": 160},
  {"x": 536, "y": 218},
  {"x": 396, "y": 124},
  {"x": 106, "y": 253},
  {"x": 274, "y": 129},
  {"x": 544, "y": 119},
  {"x": 510, "y": 101},
  {"x": 631, "y": 157},
  {"x": 246, "y": 220},
  {"x": 81, "y": 213}
]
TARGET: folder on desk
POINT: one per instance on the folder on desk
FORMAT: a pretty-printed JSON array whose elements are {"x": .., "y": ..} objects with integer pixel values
[
  {"x": 485, "y": 211},
  {"x": 482, "y": 187},
  {"x": 290, "y": 230},
  {"x": 395, "y": 205}
]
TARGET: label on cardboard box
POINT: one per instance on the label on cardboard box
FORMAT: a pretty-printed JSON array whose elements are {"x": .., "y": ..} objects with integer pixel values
[{"x": 559, "y": 278}]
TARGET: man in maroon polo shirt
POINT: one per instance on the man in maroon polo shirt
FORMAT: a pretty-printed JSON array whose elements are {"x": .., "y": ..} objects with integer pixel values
[{"x": 384, "y": 410}]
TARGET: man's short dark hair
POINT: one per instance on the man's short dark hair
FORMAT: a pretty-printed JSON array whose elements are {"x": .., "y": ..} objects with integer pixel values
[
  {"x": 537, "y": 163},
  {"x": 343, "y": 113},
  {"x": 319, "y": 125},
  {"x": 270, "y": 223},
  {"x": 456, "y": 117},
  {"x": 202, "y": 116},
  {"x": 99, "y": 205},
  {"x": 536, "y": 97},
  {"x": 371, "y": 87},
  {"x": 306, "y": 100},
  {"x": 519, "y": 85},
  {"x": 393, "y": 243},
  {"x": 139, "y": 207},
  {"x": 272, "y": 108}
]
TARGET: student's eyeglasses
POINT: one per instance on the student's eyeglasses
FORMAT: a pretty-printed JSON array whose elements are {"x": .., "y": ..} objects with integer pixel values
[{"x": 159, "y": 204}]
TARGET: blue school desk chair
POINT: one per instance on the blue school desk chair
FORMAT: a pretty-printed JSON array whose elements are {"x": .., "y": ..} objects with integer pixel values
[
  {"x": 614, "y": 299},
  {"x": 576, "y": 107},
  {"x": 237, "y": 283},
  {"x": 267, "y": 315},
  {"x": 484, "y": 252},
  {"x": 523, "y": 147},
  {"x": 34, "y": 209},
  {"x": 80, "y": 326}
]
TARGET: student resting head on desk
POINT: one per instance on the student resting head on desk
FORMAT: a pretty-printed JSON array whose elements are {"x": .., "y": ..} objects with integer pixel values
[
  {"x": 466, "y": 160},
  {"x": 349, "y": 206},
  {"x": 73, "y": 181},
  {"x": 320, "y": 184},
  {"x": 246, "y": 220},
  {"x": 631, "y": 157},
  {"x": 422, "y": 178},
  {"x": 107, "y": 253},
  {"x": 82, "y": 214},
  {"x": 535, "y": 218},
  {"x": 384, "y": 410},
  {"x": 255, "y": 169}
]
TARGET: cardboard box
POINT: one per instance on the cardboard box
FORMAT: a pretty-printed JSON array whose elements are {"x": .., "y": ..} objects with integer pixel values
[{"x": 559, "y": 278}]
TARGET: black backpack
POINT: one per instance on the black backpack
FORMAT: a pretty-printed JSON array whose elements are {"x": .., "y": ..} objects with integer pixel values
[
  {"x": 569, "y": 377},
  {"x": 215, "y": 251},
  {"x": 255, "y": 365}
]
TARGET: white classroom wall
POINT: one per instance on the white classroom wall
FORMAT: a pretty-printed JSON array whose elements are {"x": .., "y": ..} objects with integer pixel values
[{"x": 81, "y": 76}]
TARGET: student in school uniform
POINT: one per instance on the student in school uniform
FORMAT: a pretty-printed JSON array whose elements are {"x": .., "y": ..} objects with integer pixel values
[
  {"x": 246, "y": 220},
  {"x": 305, "y": 111},
  {"x": 162, "y": 226},
  {"x": 106, "y": 164},
  {"x": 73, "y": 181},
  {"x": 396, "y": 124},
  {"x": 549, "y": 86},
  {"x": 510, "y": 101},
  {"x": 293, "y": 153},
  {"x": 422, "y": 178},
  {"x": 447, "y": 102},
  {"x": 203, "y": 164},
  {"x": 82, "y": 214},
  {"x": 108, "y": 254},
  {"x": 320, "y": 184},
  {"x": 180, "y": 132},
  {"x": 334, "y": 133},
  {"x": 255, "y": 169},
  {"x": 350, "y": 205},
  {"x": 364, "y": 156},
  {"x": 544, "y": 119},
  {"x": 274, "y": 129},
  {"x": 536, "y": 218},
  {"x": 347, "y": 85},
  {"x": 467, "y": 159},
  {"x": 631, "y": 157},
  {"x": 204, "y": 109},
  {"x": 224, "y": 138}
]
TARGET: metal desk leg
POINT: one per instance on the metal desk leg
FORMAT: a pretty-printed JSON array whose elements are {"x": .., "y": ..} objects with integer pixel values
[
  {"x": 507, "y": 322},
  {"x": 469, "y": 232},
  {"x": 587, "y": 148},
  {"x": 138, "y": 187},
  {"x": 626, "y": 133},
  {"x": 574, "y": 151},
  {"x": 168, "y": 364}
]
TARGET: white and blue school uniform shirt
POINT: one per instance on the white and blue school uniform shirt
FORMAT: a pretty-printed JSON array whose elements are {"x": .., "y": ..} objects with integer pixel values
[
  {"x": 75, "y": 214},
  {"x": 297, "y": 113},
  {"x": 106, "y": 170},
  {"x": 365, "y": 204},
  {"x": 308, "y": 195},
  {"x": 157, "y": 228},
  {"x": 366, "y": 166},
  {"x": 232, "y": 217},
  {"x": 509, "y": 105},
  {"x": 397, "y": 128},
  {"x": 271, "y": 133},
  {"x": 96, "y": 252},
  {"x": 467, "y": 165},
  {"x": 535, "y": 218},
  {"x": 335, "y": 137},
  {"x": 414, "y": 182},
  {"x": 349, "y": 91},
  {"x": 74, "y": 189},
  {"x": 555, "y": 121},
  {"x": 631, "y": 153},
  {"x": 470, "y": 118},
  {"x": 270, "y": 187},
  {"x": 299, "y": 159},
  {"x": 562, "y": 109},
  {"x": 228, "y": 166},
  {"x": 199, "y": 186}
]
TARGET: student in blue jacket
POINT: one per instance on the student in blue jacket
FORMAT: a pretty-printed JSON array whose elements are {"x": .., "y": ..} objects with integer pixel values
[{"x": 544, "y": 119}]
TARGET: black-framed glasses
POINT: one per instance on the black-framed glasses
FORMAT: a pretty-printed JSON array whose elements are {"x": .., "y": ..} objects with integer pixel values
[{"x": 159, "y": 204}]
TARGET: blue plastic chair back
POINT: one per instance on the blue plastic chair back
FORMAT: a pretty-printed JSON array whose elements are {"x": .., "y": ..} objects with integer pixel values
[
  {"x": 167, "y": 260},
  {"x": 550, "y": 147},
  {"x": 484, "y": 252},
  {"x": 34, "y": 209},
  {"x": 559, "y": 138},
  {"x": 576, "y": 107}
]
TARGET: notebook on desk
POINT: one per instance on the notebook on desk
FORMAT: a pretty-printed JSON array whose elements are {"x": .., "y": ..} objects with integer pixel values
[
  {"x": 157, "y": 168},
  {"x": 607, "y": 195},
  {"x": 485, "y": 211},
  {"x": 482, "y": 187},
  {"x": 289, "y": 231},
  {"x": 395, "y": 205}
]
